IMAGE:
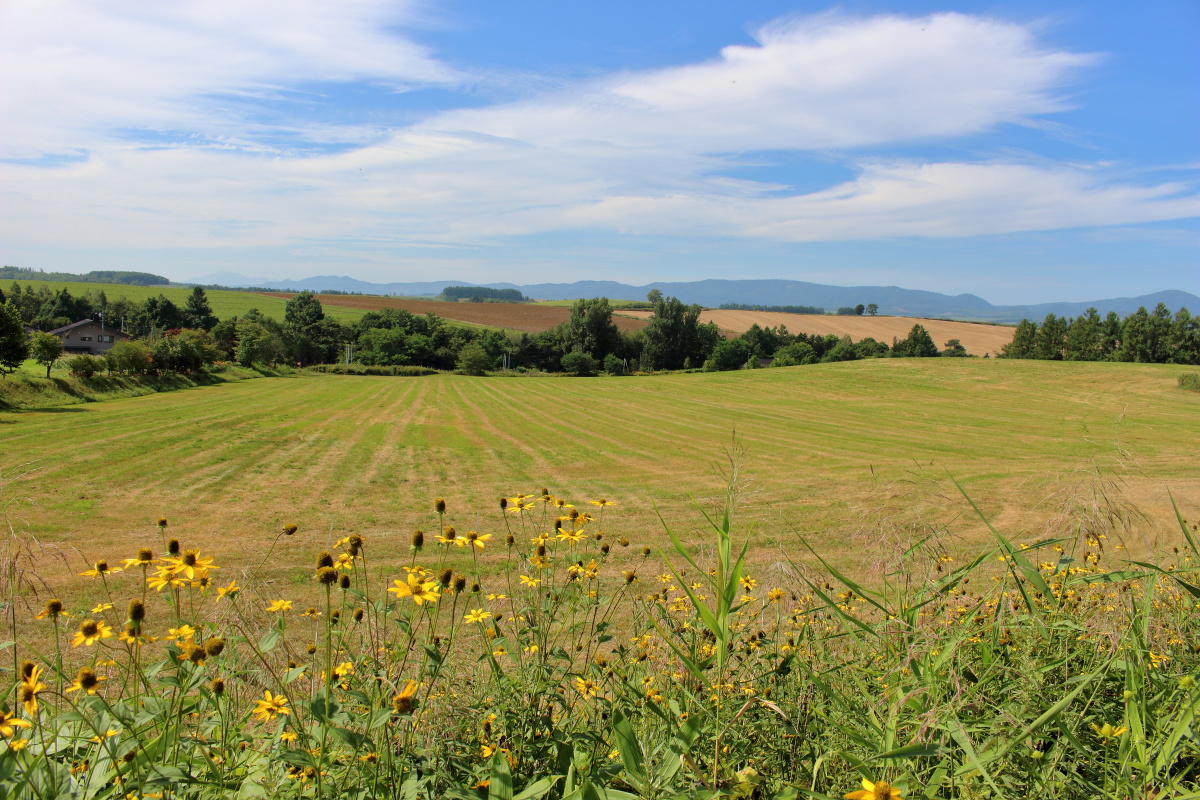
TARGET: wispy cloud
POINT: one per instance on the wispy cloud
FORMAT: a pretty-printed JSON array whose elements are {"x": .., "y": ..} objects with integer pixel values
[{"x": 643, "y": 152}]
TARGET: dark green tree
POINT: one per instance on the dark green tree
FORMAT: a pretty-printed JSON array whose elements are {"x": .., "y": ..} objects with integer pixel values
[
  {"x": 14, "y": 344},
  {"x": 654, "y": 296},
  {"x": 1024, "y": 342},
  {"x": 859, "y": 309},
  {"x": 1136, "y": 342},
  {"x": 675, "y": 337},
  {"x": 1084, "y": 338},
  {"x": 1184, "y": 344},
  {"x": 918, "y": 344},
  {"x": 304, "y": 332},
  {"x": 954, "y": 349},
  {"x": 729, "y": 354},
  {"x": 1052, "y": 338},
  {"x": 197, "y": 313},
  {"x": 590, "y": 329},
  {"x": 872, "y": 309}
]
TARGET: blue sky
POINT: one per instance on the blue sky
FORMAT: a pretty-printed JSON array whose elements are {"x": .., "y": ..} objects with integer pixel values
[{"x": 1021, "y": 151}]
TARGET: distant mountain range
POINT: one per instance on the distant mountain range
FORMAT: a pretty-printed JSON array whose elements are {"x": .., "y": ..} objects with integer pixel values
[{"x": 892, "y": 300}]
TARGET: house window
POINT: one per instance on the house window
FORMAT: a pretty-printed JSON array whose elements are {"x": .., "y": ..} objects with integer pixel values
[
  {"x": 104, "y": 338},
  {"x": 85, "y": 338}
]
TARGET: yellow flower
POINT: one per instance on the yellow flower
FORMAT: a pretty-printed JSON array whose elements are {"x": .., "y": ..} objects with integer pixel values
[
  {"x": 478, "y": 615},
  {"x": 54, "y": 610},
  {"x": 479, "y": 541},
  {"x": 586, "y": 687},
  {"x": 271, "y": 706},
  {"x": 182, "y": 632},
  {"x": 516, "y": 505},
  {"x": 87, "y": 681},
  {"x": 344, "y": 561},
  {"x": 90, "y": 631},
  {"x": 421, "y": 591},
  {"x": 748, "y": 583},
  {"x": 230, "y": 591},
  {"x": 17, "y": 744},
  {"x": 530, "y": 582},
  {"x": 27, "y": 690},
  {"x": 571, "y": 537},
  {"x": 10, "y": 723},
  {"x": 1107, "y": 731},
  {"x": 106, "y": 735},
  {"x": 775, "y": 595},
  {"x": 602, "y": 502},
  {"x": 280, "y": 606},
  {"x": 163, "y": 578},
  {"x": 101, "y": 568},
  {"x": 879, "y": 790},
  {"x": 100, "y": 609},
  {"x": 497, "y": 596},
  {"x": 190, "y": 565},
  {"x": 288, "y": 737},
  {"x": 143, "y": 559},
  {"x": 344, "y": 669}
]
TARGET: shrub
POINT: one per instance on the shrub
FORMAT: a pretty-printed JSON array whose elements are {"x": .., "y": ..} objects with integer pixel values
[
  {"x": 82, "y": 366},
  {"x": 729, "y": 354},
  {"x": 474, "y": 360},
  {"x": 614, "y": 365},
  {"x": 1190, "y": 380},
  {"x": 131, "y": 358},
  {"x": 794, "y": 355},
  {"x": 579, "y": 363}
]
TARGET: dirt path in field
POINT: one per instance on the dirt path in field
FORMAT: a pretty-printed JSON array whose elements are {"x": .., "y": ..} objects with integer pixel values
[
  {"x": 527, "y": 317},
  {"x": 977, "y": 338}
]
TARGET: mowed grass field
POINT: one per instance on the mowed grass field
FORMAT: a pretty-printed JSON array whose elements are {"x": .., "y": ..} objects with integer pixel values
[
  {"x": 976, "y": 337},
  {"x": 845, "y": 454},
  {"x": 225, "y": 304}
]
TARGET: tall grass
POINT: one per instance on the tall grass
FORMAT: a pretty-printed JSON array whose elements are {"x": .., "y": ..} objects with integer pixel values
[{"x": 550, "y": 657}]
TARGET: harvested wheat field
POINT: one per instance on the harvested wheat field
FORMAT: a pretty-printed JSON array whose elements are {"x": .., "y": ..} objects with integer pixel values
[
  {"x": 526, "y": 317},
  {"x": 849, "y": 455},
  {"x": 976, "y": 337}
]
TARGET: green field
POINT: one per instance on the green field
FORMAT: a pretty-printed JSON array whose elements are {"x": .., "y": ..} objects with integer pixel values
[
  {"x": 838, "y": 452},
  {"x": 224, "y": 303}
]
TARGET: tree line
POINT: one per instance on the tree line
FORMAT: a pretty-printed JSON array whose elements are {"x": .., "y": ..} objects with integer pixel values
[
  {"x": 185, "y": 339},
  {"x": 1151, "y": 337}
]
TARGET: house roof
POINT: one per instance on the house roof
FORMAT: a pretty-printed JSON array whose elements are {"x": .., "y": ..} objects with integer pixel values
[{"x": 81, "y": 323}]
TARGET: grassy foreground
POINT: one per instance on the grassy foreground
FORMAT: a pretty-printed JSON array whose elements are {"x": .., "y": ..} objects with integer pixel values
[{"x": 553, "y": 675}]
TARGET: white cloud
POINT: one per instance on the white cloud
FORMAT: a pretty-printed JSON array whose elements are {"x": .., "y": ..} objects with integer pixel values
[
  {"x": 637, "y": 152},
  {"x": 810, "y": 83},
  {"x": 77, "y": 71}
]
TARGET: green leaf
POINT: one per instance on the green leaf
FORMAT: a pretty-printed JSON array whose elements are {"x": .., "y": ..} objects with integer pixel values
[
  {"x": 500, "y": 781},
  {"x": 270, "y": 639},
  {"x": 914, "y": 750},
  {"x": 630, "y": 750},
  {"x": 538, "y": 788}
]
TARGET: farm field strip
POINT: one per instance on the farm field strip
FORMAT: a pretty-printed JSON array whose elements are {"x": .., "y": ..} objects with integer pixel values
[
  {"x": 525, "y": 317},
  {"x": 224, "y": 303},
  {"x": 976, "y": 337},
  {"x": 229, "y": 465}
]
